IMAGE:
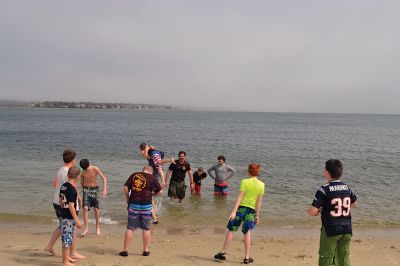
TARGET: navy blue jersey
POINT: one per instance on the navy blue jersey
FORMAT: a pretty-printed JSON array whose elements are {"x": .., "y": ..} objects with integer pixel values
[{"x": 335, "y": 199}]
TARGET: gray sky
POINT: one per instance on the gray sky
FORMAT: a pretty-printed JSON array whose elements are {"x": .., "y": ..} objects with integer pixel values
[{"x": 300, "y": 56}]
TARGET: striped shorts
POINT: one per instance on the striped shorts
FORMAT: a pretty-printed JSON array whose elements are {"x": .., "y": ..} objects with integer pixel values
[{"x": 139, "y": 216}]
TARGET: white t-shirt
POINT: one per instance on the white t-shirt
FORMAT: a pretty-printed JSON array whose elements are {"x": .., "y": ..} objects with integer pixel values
[{"x": 60, "y": 180}]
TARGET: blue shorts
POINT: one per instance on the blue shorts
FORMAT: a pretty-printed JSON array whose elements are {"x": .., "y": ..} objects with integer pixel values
[
  {"x": 67, "y": 232},
  {"x": 245, "y": 215},
  {"x": 139, "y": 216}
]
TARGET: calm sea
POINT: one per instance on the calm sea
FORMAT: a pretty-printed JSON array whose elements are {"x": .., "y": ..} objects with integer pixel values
[{"x": 291, "y": 148}]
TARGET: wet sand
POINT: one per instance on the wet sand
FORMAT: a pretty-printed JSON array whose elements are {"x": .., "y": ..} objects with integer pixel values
[{"x": 23, "y": 243}]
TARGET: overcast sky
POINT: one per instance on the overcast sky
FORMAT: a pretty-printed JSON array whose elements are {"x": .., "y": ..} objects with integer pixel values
[{"x": 290, "y": 56}]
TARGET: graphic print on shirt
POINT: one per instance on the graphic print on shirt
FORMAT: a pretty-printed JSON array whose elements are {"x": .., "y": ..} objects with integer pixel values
[{"x": 139, "y": 182}]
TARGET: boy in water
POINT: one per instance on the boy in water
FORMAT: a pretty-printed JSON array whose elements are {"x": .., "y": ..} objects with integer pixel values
[
  {"x": 90, "y": 191},
  {"x": 197, "y": 177},
  {"x": 246, "y": 211},
  {"x": 68, "y": 198},
  {"x": 69, "y": 158},
  {"x": 223, "y": 172},
  {"x": 138, "y": 191},
  {"x": 333, "y": 201}
]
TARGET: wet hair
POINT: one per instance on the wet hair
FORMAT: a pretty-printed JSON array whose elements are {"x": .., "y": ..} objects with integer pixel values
[
  {"x": 334, "y": 167},
  {"x": 254, "y": 169},
  {"x": 142, "y": 146},
  {"x": 221, "y": 157},
  {"x": 73, "y": 172},
  {"x": 68, "y": 156},
  {"x": 84, "y": 164},
  {"x": 182, "y": 152}
]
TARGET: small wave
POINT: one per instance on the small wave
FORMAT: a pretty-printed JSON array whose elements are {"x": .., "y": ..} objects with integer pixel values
[{"x": 103, "y": 220}]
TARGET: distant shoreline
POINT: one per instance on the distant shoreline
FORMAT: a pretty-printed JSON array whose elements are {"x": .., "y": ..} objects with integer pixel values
[{"x": 84, "y": 105}]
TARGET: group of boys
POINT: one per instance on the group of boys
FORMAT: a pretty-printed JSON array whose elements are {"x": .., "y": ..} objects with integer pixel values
[
  {"x": 67, "y": 203},
  {"x": 332, "y": 201}
]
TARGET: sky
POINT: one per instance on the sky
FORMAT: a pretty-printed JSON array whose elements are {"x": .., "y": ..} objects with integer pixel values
[{"x": 268, "y": 56}]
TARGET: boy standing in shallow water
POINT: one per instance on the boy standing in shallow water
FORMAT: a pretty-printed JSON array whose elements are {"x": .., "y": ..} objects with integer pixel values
[
  {"x": 70, "y": 207},
  {"x": 246, "y": 211},
  {"x": 90, "y": 191},
  {"x": 333, "y": 201},
  {"x": 139, "y": 190},
  {"x": 223, "y": 172}
]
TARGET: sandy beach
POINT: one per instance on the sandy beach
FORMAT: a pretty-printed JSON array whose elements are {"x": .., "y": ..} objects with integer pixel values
[{"x": 23, "y": 243}]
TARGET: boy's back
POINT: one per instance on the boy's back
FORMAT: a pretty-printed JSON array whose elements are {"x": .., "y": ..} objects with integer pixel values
[
  {"x": 335, "y": 198},
  {"x": 252, "y": 188}
]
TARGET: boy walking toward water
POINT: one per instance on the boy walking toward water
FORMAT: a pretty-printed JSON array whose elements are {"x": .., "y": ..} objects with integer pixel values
[
  {"x": 333, "y": 201},
  {"x": 90, "y": 191},
  {"x": 246, "y": 211},
  {"x": 139, "y": 190},
  {"x": 69, "y": 158},
  {"x": 70, "y": 207},
  {"x": 223, "y": 172}
]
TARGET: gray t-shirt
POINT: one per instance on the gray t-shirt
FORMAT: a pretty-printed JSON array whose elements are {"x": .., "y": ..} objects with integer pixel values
[{"x": 221, "y": 173}]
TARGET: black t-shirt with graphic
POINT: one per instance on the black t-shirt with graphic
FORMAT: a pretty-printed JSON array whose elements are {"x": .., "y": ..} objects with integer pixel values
[
  {"x": 68, "y": 195},
  {"x": 335, "y": 198},
  {"x": 179, "y": 170},
  {"x": 141, "y": 186},
  {"x": 197, "y": 178}
]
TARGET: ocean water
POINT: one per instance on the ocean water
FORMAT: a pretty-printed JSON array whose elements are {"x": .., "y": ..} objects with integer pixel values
[{"x": 292, "y": 149}]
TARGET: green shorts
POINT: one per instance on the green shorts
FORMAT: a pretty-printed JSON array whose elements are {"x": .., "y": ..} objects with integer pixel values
[
  {"x": 334, "y": 249},
  {"x": 244, "y": 215},
  {"x": 176, "y": 189}
]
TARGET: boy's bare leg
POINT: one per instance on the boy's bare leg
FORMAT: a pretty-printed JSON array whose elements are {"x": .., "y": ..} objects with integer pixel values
[
  {"x": 73, "y": 254},
  {"x": 97, "y": 216},
  {"x": 53, "y": 240},
  {"x": 228, "y": 238},
  {"x": 146, "y": 239},
  {"x": 128, "y": 238},
  {"x": 85, "y": 220},
  {"x": 65, "y": 257},
  {"x": 153, "y": 211},
  {"x": 247, "y": 244}
]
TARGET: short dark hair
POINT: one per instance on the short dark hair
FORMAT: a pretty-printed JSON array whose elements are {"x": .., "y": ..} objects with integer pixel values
[
  {"x": 73, "y": 172},
  {"x": 84, "y": 163},
  {"x": 68, "y": 156},
  {"x": 182, "y": 152},
  {"x": 334, "y": 167},
  {"x": 142, "y": 146},
  {"x": 221, "y": 157}
]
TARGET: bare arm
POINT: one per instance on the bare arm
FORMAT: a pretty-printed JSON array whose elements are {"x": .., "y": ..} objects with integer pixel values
[
  {"x": 71, "y": 207},
  {"x": 100, "y": 173},
  {"x": 354, "y": 204},
  {"x": 126, "y": 193},
  {"x": 191, "y": 180},
  {"x": 313, "y": 211},
  {"x": 258, "y": 207},
  {"x": 237, "y": 203},
  {"x": 167, "y": 177}
]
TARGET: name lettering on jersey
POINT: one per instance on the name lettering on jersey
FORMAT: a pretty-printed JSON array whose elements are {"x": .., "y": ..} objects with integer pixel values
[{"x": 338, "y": 188}]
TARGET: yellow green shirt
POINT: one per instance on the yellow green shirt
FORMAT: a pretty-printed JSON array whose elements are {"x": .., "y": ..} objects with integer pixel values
[{"x": 252, "y": 188}]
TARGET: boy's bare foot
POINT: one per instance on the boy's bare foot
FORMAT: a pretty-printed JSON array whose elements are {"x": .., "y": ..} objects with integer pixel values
[
  {"x": 71, "y": 260},
  {"x": 68, "y": 264},
  {"x": 77, "y": 256},
  {"x": 84, "y": 233},
  {"x": 50, "y": 250},
  {"x": 98, "y": 232}
]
